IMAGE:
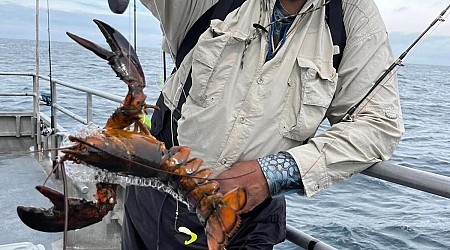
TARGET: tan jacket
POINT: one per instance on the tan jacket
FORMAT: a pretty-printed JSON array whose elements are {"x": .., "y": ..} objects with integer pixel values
[{"x": 235, "y": 114}]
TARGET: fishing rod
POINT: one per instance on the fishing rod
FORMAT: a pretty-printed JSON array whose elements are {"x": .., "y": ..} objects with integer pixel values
[
  {"x": 399, "y": 62},
  {"x": 52, "y": 84},
  {"x": 134, "y": 25}
]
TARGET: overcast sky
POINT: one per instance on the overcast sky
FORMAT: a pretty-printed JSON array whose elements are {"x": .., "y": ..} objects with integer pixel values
[{"x": 405, "y": 19}]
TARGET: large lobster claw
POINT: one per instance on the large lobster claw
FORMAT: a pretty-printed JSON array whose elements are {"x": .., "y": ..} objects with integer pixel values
[
  {"x": 81, "y": 213},
  {"x": 123, "y": 58},
  {"x": 124, "y": 61}
]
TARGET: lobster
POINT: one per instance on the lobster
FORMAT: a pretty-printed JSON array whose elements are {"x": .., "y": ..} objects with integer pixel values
[{"x": 135, "y": 153}]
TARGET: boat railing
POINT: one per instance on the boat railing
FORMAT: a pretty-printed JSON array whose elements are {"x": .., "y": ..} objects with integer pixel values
[
  {"x": 35, "y": 126},
  {"x": 89, "y": 94},
  {"x": 413, "y": 178}
]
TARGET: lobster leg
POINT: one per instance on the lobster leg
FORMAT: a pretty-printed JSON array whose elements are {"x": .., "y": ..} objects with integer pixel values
[{"x": 81, "y": 213}]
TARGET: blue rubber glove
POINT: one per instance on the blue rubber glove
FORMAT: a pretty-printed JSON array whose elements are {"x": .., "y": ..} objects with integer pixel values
[{"x": 282, "y": 174}]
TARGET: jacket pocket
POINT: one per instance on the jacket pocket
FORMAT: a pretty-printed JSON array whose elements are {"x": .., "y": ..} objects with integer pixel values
[
  {"x": 212, "y": 66},
  {"x": 310, "y": 93}
]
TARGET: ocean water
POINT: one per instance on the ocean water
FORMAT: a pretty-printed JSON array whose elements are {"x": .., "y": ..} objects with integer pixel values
[{"x": 362, "y": 213}]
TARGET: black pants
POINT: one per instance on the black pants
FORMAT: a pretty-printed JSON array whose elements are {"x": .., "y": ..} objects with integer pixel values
[{"x": 149, "y": 223}]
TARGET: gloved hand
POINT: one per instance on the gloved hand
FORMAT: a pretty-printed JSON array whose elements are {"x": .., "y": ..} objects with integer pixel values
[
  {"x": 118, "y": 6},
  {"x": 255, "y": 183}
]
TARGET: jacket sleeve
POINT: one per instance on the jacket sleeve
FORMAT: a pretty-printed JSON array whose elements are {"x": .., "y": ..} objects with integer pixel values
[
  {"x": 347, "y": 148},
  {"x": 176, "y": 18}
]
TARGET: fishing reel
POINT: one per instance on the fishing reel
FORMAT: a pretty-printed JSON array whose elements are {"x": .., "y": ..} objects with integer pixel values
[{"x": 45, "y": 130}]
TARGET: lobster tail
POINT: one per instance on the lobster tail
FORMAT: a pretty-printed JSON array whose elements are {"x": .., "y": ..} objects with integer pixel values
[
  {"x": 224, "y": 221},
  {"x": 219, "y": 213}
]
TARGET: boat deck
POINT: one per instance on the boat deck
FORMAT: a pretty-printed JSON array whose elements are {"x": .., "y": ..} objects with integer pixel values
[{"x": 19, "y": 174}]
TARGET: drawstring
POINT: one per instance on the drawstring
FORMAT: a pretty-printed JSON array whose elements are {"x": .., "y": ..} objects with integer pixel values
[
  {"x": 176, "y": 219},
  {"x": 263, "y": 7},
  {"x": 259, "y": 28},
  {"x": 159, "y": 219}
]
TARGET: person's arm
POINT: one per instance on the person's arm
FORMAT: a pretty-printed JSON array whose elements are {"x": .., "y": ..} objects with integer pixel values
[
  {"x": 346, "y": 148},
  {"x": 177, "y": 17}
]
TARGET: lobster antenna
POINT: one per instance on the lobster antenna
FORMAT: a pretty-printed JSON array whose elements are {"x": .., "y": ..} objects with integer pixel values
[
  {"x": 153, "y": 168},
  {"x": 52, "y": 87}
]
